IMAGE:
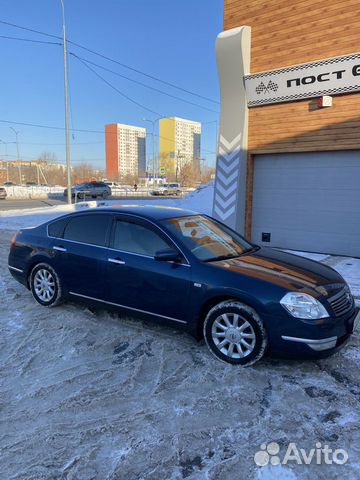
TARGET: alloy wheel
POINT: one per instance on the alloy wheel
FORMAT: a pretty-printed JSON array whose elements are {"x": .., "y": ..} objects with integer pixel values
[
  {"x": 44, "y": 285},
  {"x": 233, "y": 335}
]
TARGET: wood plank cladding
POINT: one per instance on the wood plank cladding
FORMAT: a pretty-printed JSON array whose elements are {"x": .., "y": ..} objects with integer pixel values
[{"x": 286, "y": 33}]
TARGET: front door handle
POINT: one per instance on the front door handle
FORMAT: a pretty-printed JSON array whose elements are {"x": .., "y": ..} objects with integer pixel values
[
  {"x": 59, "y": 249},
  {"x": 118, "y": 261}
]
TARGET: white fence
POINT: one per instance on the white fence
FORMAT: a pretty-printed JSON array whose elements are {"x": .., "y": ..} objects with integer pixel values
[
  {"x": 58, "y": 192},
  {"x": 34, "y": 191}
]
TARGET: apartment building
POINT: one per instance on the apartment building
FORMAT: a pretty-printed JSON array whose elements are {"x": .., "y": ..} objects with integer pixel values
[
  {"x": 288, "y": 165},
  {"x": 125, "y": 151},
  {"x": 179, "y": 144}
]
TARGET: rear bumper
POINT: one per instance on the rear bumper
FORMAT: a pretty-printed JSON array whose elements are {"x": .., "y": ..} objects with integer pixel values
[{"x": 19, "y": 275}]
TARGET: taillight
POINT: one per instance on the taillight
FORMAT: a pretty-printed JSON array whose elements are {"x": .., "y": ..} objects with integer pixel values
[{"x": 13, "y": 241}]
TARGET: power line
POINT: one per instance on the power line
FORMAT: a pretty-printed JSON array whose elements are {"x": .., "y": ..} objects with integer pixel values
[
  {"x": 113, "y": 60},
  {"x": 59, "y": 144},
  {"x": 141, "y": 83},
  {"x": 113, "y": 72},
  {"x": 118, "y": 91},
  {"x": 36, "y": 125},
  {"x": 29, "y": 40}
]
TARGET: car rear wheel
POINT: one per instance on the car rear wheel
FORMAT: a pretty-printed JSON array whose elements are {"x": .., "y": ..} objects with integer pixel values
[
  {"x": 235, "y": 334},
  {"x": 45, "y": 285}
]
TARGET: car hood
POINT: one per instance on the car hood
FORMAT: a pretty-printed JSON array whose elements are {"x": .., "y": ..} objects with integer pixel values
[{"x": 286, "y": 270}]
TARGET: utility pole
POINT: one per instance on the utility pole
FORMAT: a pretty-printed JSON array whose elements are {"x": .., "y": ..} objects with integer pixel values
[
  {"x": 180, "y": 156},
  {"x": 18, "y": 153},
  {"x": 66, "y": 88}
]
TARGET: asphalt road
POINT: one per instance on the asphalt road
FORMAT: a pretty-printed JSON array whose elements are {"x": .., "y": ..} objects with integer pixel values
[
  {"x": 10, "y": 204},
  {"x": 15, "y": 204}
]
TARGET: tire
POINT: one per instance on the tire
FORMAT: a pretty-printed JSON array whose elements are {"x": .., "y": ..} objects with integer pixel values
[
  {"x": 234, "y": 333},
  {"x": 44, "y": 272}
]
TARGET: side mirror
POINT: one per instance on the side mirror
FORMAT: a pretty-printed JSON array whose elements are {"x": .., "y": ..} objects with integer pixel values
[{"x": 167, "y": 255}]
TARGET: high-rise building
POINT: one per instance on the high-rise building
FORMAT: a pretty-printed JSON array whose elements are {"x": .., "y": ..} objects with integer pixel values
[
  {"x": 179, "y": 144},
  {"x": 125, "y": 151}
]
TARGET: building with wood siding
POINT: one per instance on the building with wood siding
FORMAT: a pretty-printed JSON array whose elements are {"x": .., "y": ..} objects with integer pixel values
[{"x": 302, "y": 170}]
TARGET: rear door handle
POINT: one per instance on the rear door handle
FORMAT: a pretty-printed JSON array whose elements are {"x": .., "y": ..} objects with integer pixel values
[
  {"x": 116, "y": 260},
  {"x": 59, "y": 249}
]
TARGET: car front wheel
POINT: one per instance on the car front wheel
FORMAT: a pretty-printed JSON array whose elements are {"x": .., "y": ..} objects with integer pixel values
[
  {"x": 234, "y": 333},
  {"x": 45, "y": 285}
]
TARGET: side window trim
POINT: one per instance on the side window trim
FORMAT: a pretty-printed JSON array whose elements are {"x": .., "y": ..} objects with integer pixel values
[
  {"x": 63, "y": 229},
  {"x": 147, "y": 223},
  {"x": 107, "y": 235}
]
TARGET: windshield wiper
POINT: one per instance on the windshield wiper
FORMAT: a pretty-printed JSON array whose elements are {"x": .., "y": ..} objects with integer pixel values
[
  {"x": 255, "y": 248},
  {"x": 221, "y": 257}
]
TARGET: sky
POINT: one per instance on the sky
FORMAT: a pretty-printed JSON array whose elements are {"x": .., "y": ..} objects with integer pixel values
[{"x": 173, "y": 40}]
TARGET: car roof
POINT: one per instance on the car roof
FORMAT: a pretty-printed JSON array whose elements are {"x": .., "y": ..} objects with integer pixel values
[{"x": 151, "y": 212}]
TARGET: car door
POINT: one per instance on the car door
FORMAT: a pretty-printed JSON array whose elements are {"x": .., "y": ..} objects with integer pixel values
[
  {"x": 78, "y": 256},
  {"x": 134, "y": 279}
]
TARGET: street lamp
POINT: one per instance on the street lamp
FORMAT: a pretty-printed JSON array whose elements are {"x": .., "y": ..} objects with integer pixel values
[
  {"x": 18, "y": 153},
  {"x": 68, "y": 167}
]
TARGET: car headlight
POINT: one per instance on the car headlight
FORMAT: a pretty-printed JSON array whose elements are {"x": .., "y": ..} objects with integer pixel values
[{"x": 302, "y": 305}]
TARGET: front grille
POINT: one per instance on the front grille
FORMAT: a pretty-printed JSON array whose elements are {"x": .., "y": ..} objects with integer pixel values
[{"x": 342, "y": 302}]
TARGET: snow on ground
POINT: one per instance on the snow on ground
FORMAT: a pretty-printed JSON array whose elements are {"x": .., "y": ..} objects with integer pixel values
[{"x": 91, "y": 395}]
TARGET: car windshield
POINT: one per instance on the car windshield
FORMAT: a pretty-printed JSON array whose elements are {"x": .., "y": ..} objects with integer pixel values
[
  {"x": 206, "y": 239},
  {"x": 164, "y": 185}
]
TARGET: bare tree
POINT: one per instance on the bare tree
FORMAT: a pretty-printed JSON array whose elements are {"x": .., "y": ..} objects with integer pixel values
[
  {"x": 84, "y": 172},
  {"x": 189, "y": 175}
]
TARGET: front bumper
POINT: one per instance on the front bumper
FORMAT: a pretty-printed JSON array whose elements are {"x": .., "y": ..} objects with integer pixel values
[{"x": 294, "y": 338}]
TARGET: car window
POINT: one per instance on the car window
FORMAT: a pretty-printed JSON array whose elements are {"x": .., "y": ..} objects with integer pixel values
[
  {"x": 135, "y": 238},
  {"x": 207, "y": 239},
  {"x": 56, "y": 229},
  {"x": 90, "y": 229}
]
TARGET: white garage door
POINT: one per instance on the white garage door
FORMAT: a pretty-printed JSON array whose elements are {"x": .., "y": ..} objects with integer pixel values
[{"x": 308, "y": 201}]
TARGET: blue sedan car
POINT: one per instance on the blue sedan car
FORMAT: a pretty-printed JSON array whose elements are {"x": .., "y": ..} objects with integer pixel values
[{"x": 189, "y": 270}]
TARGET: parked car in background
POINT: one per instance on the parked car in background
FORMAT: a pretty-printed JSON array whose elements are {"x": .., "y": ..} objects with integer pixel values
[
  {"x": 10, "y": 184},
  {"x": 189, "y": 270},
  {"x": 113, "y": 184},
  {"x": 90, "y": 189},
  {"x": 167, "y": 189},
  {"x": 3, "y": 193}
]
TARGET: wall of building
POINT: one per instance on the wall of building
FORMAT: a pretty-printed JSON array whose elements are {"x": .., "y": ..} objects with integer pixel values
[
  {"x": 111, "y": 150},
  {"x": 288, "y": 33},
  {"x": 167, "y": 132}
]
